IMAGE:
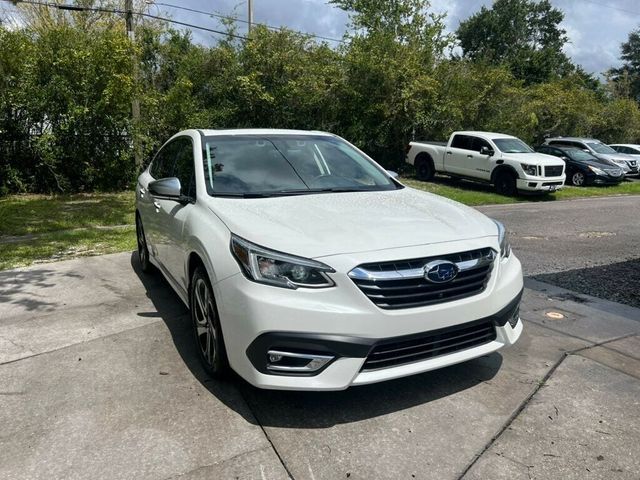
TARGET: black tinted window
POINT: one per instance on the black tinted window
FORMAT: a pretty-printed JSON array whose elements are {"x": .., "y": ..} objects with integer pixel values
[
  {"x": 162, "y": 166},
  {"x": 477, "y": 143},
  {"x": 184, "y": 167},
  {"x": 462, "y": 141}
]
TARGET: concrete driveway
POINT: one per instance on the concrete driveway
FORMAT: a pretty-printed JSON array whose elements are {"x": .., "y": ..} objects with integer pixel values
[{"x": 99, "y": 379}]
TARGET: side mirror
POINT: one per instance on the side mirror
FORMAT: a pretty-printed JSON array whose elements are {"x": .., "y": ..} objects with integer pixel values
[
  {"x": 486, "y": 151},
  {"x": 166, "y": 188},
  {"x": 565, "y": 158},
  {"x": 392, "y": 174}
]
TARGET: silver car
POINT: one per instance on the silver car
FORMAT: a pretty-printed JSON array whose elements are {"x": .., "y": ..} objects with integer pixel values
[{"x": 599, "y": 150}]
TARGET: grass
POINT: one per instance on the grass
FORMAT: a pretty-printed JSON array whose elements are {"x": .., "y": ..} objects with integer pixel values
[
  {"x": 471, "y": 193},
  {"x": 39, "y": 228}
]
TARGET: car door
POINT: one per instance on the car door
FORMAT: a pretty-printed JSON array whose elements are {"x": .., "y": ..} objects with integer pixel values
[
  {"x": 172, "y": 215},
  {"x": 161, "y": 167},
  {"x": 480, "y": 165},
  {"x": 458, "y": 155}
]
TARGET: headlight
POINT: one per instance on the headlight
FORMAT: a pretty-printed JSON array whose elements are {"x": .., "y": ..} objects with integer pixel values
[
  {"x": 596, "y": 170},
  {"x": 529, "y": 169},
  {"x": 279, "y": 269},
  {"x": 503, "y": 239}
]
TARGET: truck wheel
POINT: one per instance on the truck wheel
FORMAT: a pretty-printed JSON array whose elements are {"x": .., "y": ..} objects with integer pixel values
[
  {"x": 505, "y": 184},
  {"x": 424, "y": 168}
]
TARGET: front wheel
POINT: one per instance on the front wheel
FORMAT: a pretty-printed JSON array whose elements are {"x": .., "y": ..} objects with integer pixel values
[
  {"x": 577, "y": 179},
  {"x": 143, "y": 250},
  {"x": 505, "y": 184},
  {"x": 424, "y": 169},
  {"x": 206, "y": 325}
]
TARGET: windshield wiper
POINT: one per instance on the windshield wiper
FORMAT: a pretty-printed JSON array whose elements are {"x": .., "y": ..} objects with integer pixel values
[
  {"x": 285, "y": 193},
  {"x": 243, "y": 195}
]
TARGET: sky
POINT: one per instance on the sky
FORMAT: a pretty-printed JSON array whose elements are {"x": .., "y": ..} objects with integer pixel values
[{"x": 595, "y": 28}]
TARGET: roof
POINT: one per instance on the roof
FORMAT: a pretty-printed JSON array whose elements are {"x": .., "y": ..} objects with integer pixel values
[
  {"x": 633, "y": 145},
  {"x": 490, "y": 135},
  {"x": 575, "y": 139},
  {"x": 262, "y": 131}
]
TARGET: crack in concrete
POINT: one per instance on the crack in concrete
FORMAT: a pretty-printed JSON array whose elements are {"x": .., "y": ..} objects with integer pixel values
[{"x": 529, "y": 397}]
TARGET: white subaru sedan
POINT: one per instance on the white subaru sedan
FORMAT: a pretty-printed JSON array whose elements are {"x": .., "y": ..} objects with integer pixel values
[{"x": 307, "y": 266}]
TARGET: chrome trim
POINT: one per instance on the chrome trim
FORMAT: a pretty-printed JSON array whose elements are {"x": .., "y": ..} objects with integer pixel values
[
  {"x": 360, "y": 273},
  {"x": 282, "y": 368}
]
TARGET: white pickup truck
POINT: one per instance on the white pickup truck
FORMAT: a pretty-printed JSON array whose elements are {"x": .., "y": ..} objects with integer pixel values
[{"x": 502, "y": 160}]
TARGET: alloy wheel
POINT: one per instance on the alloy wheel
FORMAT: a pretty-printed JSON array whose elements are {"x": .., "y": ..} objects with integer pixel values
[
  {"x": 577, "y": 179},
  {"x": 204, "y": 317}
]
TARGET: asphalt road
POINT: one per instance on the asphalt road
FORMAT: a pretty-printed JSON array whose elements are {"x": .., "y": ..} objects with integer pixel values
[
  {"x": 566, "y": 235},
  {"x": 99, "y": 379}
]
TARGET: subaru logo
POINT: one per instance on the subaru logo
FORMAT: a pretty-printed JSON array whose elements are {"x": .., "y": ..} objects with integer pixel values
[{"x": 440, "y": 271}]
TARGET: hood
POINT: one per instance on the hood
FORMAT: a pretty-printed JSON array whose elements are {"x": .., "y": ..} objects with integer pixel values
[
  {"x": 534, "y": 158},
  {"x": 325, "y": 224}
]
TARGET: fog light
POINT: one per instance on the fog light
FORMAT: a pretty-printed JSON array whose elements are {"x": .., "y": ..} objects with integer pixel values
[
  {"x": 274, "y": 357},
  {"x": 293, "y": 362}
]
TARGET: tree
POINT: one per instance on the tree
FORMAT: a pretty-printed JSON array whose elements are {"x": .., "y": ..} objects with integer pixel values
[
  {"x": 626, "y": 79},
  {"x": 524, "y": 35}
]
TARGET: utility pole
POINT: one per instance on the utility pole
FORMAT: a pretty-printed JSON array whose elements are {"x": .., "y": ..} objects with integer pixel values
[
  {"x": 250, "y": 14},
  {"x": 135, "y": 102}
]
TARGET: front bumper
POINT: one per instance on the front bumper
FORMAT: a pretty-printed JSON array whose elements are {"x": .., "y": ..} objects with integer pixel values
[
  {"x": 540, "y": 184},
  {"x": 594, "y": 179},
  {"x": 343, "y": 323}
]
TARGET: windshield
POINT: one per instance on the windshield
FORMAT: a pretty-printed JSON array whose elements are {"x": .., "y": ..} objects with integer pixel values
[
  {"x": 600, "y": 147},
  {"x": 259, "y": 165},
  {"x": 512, "y": 145}
]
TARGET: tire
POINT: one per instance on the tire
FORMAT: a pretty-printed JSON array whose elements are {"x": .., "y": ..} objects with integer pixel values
[
  {"x": 505, "y": 183},
  {"x": 206, "y": 325},
  {"x": 143, "y": 250},
  {"x": 424, "y": 168},
  {"x": 578, "y": 179}
]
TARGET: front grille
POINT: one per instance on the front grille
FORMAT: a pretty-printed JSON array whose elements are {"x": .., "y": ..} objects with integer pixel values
[
  {"x": 554, "y": 171},
  {"x": 632, "y": 163},
  {"x": 429, "y": 345},
  {"x": 402, "y": 284}
]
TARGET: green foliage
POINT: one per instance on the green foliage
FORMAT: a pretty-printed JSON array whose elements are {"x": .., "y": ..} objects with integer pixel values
[
  {"x": 67, "y": 82},
  {"x": 523, "y": 35},
  {"x": 626, "y": 79}
]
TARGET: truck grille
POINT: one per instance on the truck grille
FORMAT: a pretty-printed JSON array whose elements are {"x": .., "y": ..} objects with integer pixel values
[
  {"x": 554, "y": 171},
  {"x": 429, "y": 345},
  {"x": 402, "y": 284}
]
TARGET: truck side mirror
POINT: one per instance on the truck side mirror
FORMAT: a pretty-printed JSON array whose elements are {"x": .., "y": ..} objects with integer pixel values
[{"x": 486, "y": 151}]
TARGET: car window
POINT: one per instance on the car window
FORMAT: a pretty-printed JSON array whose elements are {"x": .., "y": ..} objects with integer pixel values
[
  {"x": 550, "y": 151},
  {"x": 477, "y": 143},
  {"x": 162, "y": 164},
  {"x": 184, "y": 168},
  {"x": 462, "y": 141},
  {"x": 600, "y": 147},
  {"x": 282, "y": 164}
]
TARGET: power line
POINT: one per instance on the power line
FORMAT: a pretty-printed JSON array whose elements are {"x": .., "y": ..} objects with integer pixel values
[
  {"x": 235, "y": 19},
  {"x": 612, "y": 7},
  {"x": 76, "y": 8}
]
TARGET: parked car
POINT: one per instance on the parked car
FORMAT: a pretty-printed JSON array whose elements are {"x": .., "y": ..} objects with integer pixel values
[
  {"x": 306, "y": 266},
  {"x": 628, "y": 149},
  {"x": 502, "y": 160},
  {"x": 583, "y": 168},
  {"x": 598, "y": 149}
]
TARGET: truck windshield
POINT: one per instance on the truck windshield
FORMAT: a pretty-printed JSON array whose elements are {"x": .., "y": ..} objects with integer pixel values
[
  {"x": 512, "y": 145},
  {"x": 274, "y": 165},
  {"x": 600, "y": 147}
]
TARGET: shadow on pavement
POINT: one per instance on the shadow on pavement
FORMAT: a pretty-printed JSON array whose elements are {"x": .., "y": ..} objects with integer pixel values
[
  {"x": 617, "y": 282},
  {"x": 288, "y": 409},
  {"x": 21, "y": 287}
]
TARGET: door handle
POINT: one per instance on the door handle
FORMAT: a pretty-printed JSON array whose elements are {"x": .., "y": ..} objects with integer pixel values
[
  {"x": 469, "y": 156},
  {"x": 449, "y": 153},
  {"x": 142, "y": 191},
  {"x": 157, "y": 205}
]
